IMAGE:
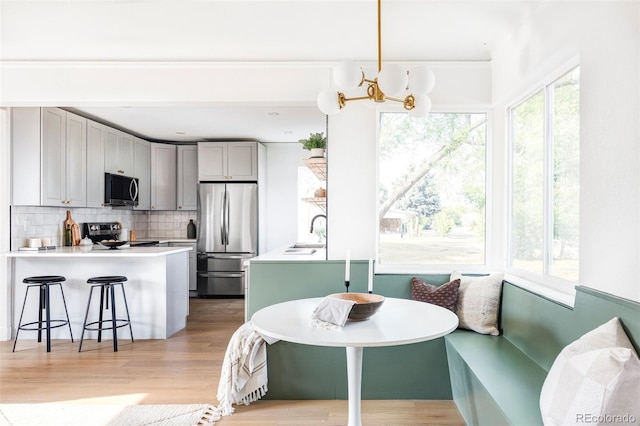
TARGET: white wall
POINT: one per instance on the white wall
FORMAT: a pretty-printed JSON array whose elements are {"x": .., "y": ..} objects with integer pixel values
[
  {"x": 351, "y": 183},
  {"x": 5, "y": 184},
  {"x": 605, "y": 36},
  {"x": 283, "y": 160}
]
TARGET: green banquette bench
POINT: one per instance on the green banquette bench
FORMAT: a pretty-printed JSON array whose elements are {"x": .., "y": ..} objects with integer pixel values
[{"x": 494, "y": 380}]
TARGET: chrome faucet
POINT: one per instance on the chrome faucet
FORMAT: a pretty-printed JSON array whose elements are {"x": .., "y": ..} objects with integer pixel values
[{"x": 314, "y": 219}]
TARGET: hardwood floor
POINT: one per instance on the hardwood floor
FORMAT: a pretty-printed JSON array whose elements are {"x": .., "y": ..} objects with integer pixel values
[{"x": 184, "y": 369}]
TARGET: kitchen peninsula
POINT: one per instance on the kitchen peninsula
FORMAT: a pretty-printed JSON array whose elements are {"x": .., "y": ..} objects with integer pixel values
[{"x": 157, "y": 288}]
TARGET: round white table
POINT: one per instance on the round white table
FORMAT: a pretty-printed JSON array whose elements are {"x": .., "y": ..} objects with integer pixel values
[{"x": 397, "y": 322}]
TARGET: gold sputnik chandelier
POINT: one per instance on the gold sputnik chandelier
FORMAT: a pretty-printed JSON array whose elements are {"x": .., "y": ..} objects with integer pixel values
[{"x": 393, "y": 83}]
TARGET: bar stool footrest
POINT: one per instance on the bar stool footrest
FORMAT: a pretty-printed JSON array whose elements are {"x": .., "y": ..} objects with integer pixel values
[
  {"x": 123, "y": 322},
  {"x": 26, "y": 326}
]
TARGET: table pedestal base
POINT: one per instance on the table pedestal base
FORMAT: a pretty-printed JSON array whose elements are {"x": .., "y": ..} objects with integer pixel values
[{"x": 354, "y": 380}]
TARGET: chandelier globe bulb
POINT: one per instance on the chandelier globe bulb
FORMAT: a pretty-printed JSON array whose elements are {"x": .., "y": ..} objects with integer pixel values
[
  {"x": 421, "y": 80},
  {"x": 392, "y": 79},
  {"x": 328, "y": 102},
  {"x": 422, "y": 106},
  {"x": 347, "y": 75}
]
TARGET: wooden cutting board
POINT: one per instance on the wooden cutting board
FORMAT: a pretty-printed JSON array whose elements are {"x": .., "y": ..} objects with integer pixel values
[
  {"x": 75, "y": 234},
  {"x": 75, "y": 229}
]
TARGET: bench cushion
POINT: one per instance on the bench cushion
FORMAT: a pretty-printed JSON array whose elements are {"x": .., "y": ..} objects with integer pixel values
[{"x": 493, "y": 382}]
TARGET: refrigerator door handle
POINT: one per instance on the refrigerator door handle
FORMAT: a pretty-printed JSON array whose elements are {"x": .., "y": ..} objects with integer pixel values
[
  {"x": 222, "y": 219},
  {"x": 228, "y": 215}
]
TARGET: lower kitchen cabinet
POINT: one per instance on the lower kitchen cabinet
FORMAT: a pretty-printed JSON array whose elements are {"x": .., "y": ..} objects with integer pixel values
[{"x": 193, "y": 267}]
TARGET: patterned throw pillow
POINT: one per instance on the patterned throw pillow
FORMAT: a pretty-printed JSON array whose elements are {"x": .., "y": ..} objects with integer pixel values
[
  {"x": 594, "y": 380},
  {"x": 445, "y": 295},
  {"x": 479, "y": 302}
]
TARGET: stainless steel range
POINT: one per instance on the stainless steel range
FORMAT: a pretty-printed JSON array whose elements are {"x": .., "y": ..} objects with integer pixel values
[{"x": 98, "y": 231}]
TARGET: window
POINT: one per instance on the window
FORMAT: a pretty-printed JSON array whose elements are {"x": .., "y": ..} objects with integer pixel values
[
  {"x": 545, "y": 180},
  {"x": 432, "y": 189}
]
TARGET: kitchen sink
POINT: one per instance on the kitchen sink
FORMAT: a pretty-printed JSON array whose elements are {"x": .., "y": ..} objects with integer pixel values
[
  {"x": 307, "y": 245},
  {"x": 300, "y": 251}
]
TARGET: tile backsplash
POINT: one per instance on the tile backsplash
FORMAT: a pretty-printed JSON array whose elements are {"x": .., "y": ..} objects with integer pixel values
[{"x": 46, "y": 222}]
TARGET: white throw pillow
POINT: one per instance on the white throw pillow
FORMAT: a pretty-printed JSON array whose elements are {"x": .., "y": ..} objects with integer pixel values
[
  {"x": 594, "y": 380},
  {"x": 478, "y": 303}
]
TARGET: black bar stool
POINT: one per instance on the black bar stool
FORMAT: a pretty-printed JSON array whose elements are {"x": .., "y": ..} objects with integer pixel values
[
  {"x": 107, "y": 288},
  {"x": 43, "y": 283}
]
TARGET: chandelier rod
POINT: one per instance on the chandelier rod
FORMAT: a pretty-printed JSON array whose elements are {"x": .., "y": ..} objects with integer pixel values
[{"x": 379, "y": 37}]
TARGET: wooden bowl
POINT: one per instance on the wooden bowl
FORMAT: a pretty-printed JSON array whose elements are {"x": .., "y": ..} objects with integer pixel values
[{"x": 366, "y": 304}]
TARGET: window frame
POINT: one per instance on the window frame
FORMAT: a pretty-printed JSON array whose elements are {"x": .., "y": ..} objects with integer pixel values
[
  {"x": 557, "y": 288},
  {"x": 489, "y": 242}
]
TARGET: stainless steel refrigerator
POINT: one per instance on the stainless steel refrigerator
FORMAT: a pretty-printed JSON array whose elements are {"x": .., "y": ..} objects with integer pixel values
[{"x": 227, "y": 236}]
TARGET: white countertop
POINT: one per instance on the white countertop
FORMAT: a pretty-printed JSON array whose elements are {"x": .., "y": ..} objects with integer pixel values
[
  {"x": 280, "y": 255},
  {"x": 98, "y": 251}
]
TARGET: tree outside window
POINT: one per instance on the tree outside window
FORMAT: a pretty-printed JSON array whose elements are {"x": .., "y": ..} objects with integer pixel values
[
  {"x": 545, "y": 180},
  {"x": 432, "y": 189}
]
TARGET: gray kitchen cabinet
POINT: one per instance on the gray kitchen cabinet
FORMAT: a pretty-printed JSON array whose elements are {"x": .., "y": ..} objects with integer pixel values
[
  {"x": 118, "y": 153},
  {"x": 96, "y": 137},
  {"x": 225, "y": 161},
  {"x": 187, "y": 172},
  {"x": 74, "y": 177},
  {"x": 48, "y": 157},
  {"x": 163, "y": 176},
  {"x": 142, "y": 170},
  {"x": 25, "y": 156},
  {"x": 193, "y": 270}
]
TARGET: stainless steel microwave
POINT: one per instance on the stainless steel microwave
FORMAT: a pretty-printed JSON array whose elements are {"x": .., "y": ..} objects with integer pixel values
[{"x": 120, "y": 190}]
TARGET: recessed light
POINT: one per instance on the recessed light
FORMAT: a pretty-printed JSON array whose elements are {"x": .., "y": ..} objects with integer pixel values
[
  {"x": 273, "y": 114},
  {"x": 181, "y": 133},
  {"x": 288, "y": 132}
]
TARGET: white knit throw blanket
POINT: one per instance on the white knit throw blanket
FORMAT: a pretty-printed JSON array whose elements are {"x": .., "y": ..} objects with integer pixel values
[{"x": 243, "y": 378}]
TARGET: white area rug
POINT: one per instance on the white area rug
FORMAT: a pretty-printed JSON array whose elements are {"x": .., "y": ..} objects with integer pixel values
[{"x": 60, "y": 414}]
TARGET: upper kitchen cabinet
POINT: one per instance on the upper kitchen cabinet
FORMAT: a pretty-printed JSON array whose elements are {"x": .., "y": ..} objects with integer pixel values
[
  {"x": 48, "y": 157},
  {"x": 142, "y": 170},
  {"x": 118, "y": 154},
  {"x": 187, "y": 191},
  {"x": 64, "y": 169},
  {"x": 25, "y": 156},
  {"x": 163, "y": 176},
  {"x": 96, "y": 137},
  {"x": 224, "y": 161}
]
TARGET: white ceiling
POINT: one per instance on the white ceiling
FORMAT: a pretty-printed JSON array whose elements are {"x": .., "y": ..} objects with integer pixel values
[
  {"x": 187, "y": 124},
  {"x": 249, "y": 32}
]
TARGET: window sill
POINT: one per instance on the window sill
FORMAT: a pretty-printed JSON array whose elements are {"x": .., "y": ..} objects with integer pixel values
[
  {"x": 433, "y": 269},
  {"x": 561, "y": 296}
]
